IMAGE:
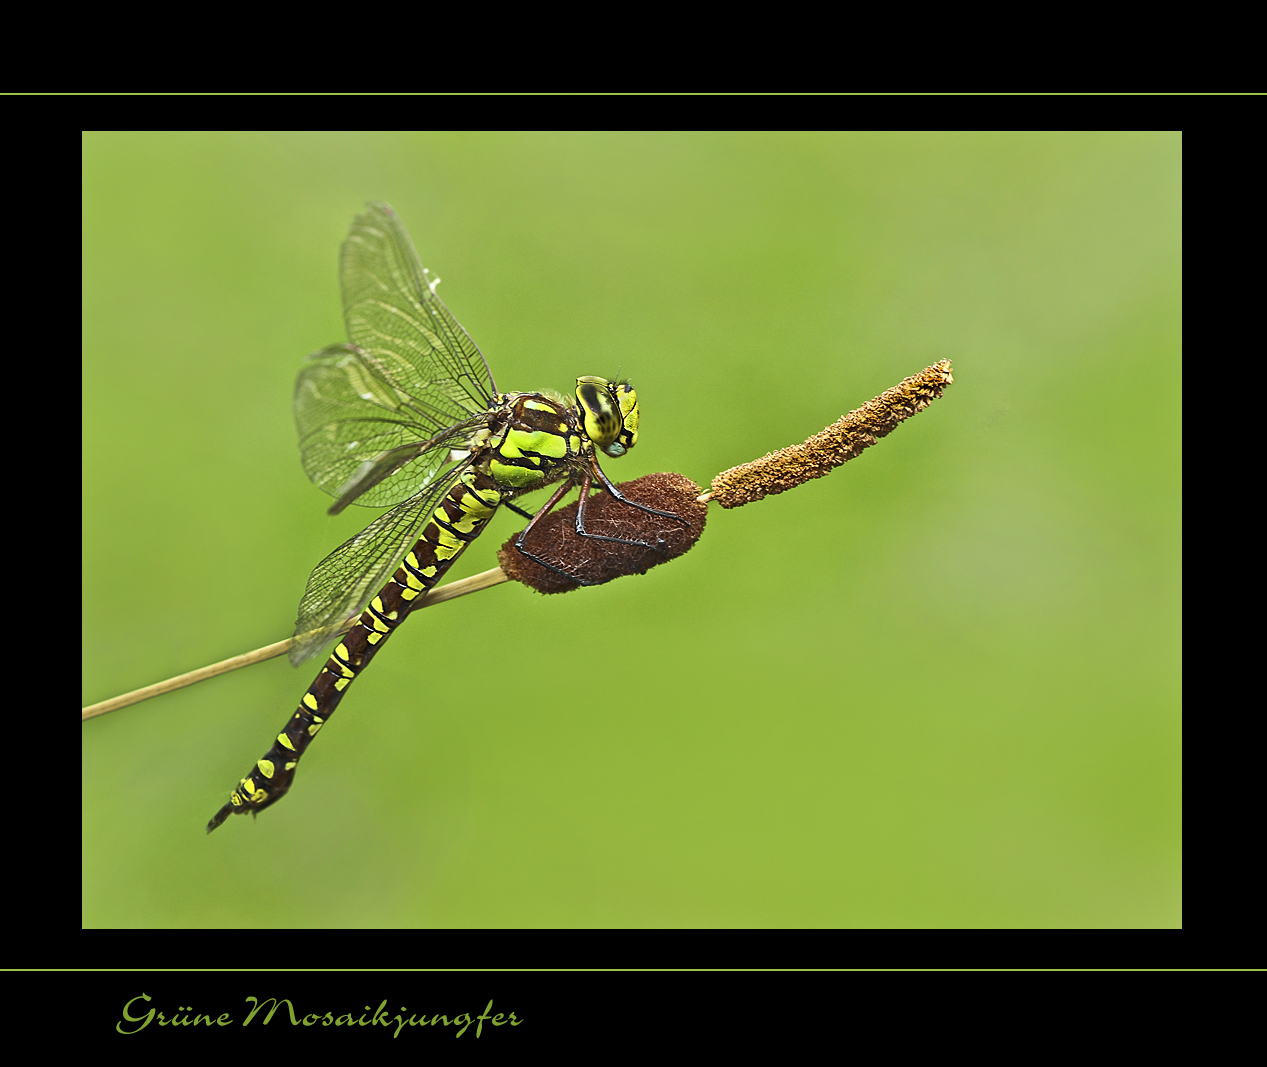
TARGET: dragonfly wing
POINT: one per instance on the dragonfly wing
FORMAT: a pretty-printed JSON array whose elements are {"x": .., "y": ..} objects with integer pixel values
[
  {"x": 395, "y": 318},
  {"x": 360, "y": 437},
  {"x": 346, "y": 580},
  {"x": 372, "y": 472},
  {"x": 410, "y": 377}
]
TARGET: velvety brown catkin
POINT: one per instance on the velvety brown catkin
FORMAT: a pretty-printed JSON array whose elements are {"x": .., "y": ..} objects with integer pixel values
[{"x": 555, "y": 538}]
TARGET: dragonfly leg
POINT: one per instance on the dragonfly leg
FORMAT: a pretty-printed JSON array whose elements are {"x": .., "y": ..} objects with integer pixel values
[
  {"x": 618, "y": 495},
  {"x": 518, "y": 510},
  {"x": 545, "y": 510},
  {"x": 587, "y": 482},
  {"x": 602, "y": 477}
]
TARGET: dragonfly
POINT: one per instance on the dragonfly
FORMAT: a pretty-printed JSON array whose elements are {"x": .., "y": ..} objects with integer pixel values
[{"x": 407, "y": 414}]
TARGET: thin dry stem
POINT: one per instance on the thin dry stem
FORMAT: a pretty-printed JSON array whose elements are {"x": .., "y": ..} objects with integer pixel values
[{"x": 451, "y": 591}]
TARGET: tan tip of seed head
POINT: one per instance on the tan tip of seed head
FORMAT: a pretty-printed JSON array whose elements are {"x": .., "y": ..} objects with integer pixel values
[{"x": 840, "y": 442}]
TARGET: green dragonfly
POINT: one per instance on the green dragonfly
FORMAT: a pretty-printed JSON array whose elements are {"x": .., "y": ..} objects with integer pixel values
[{"x": 407, "y": 414}]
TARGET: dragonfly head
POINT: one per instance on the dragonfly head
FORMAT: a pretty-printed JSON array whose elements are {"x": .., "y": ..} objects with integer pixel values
[{"x": 609, "y": 413}]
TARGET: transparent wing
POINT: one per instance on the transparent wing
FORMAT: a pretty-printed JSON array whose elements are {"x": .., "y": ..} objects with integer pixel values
[
  {"x": 411, "y": 375},
  {"x": 363, "y": 438},
  {"x": 394, "y": 316},
  {"x": 347, "y": 579}
]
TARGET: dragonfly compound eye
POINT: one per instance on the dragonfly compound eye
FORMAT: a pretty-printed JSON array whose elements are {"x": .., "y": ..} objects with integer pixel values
[
  {"x": 627, "y": 400},
  {"x": 600, "y": 411}
]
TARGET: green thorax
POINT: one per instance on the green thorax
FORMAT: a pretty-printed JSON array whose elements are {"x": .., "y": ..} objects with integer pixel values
[{"x": 532, "y": 439}]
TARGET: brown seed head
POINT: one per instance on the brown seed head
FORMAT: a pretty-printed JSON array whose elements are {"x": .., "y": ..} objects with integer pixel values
[
  {"x": 840, "y": 442},
  {"x": 555, "y": 538}
]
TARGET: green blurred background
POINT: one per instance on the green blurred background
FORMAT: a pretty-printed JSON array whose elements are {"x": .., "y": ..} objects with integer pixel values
[{"x": 939, "y": 688}]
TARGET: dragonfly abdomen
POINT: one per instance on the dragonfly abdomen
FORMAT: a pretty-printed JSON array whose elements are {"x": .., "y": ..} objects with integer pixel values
[{"x": 458, "y": 519}]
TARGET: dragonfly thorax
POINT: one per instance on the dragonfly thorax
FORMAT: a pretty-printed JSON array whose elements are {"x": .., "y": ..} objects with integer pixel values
[
  {"x": 608, "y": 413},
  {"x": 532, "y": 439}
]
